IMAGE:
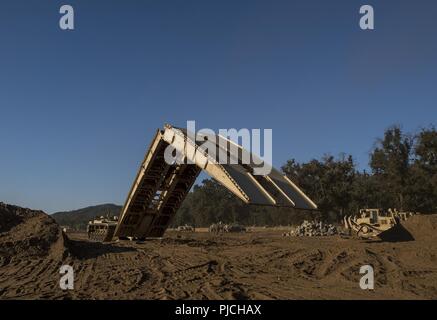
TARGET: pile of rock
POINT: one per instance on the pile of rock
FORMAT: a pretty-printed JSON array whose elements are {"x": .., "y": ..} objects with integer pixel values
[{"x": 312, "y": 229}]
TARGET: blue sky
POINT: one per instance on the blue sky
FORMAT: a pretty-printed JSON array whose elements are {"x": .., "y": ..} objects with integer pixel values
[{"x": 79, "y": 108}]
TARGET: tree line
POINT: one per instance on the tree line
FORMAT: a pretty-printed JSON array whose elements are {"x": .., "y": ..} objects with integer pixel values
[{"x": 402, "y": 174}]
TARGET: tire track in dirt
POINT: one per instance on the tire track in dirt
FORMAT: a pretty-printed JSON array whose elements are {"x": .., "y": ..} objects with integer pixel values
[{"x": 258, "y": 265}]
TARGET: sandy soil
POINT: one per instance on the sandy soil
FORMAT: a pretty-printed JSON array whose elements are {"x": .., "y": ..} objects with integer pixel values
[{"x": 257, "y": 265}]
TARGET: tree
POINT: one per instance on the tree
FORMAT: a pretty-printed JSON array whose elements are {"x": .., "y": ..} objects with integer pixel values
[
  {"x": 210, "y": 202},
  {"x": 403, "y": 176},
  {"x": 328, "y": 182},
  {"x": 365, "y": 192},
  {"x": 390, "y": 164},
  {"x": 426, "y": 149},
  {"x": 422, "y": 184}
]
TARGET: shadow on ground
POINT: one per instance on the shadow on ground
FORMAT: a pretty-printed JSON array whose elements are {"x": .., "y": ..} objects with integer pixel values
[{"x": 90, "y": 250}]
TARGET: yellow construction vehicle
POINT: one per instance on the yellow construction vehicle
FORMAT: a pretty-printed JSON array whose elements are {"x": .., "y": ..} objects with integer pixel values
[{"x": 371, "y": 222}]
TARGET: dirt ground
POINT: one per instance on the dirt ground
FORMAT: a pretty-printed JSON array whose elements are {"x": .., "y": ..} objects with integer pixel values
[{"x": 256, "y": 265}]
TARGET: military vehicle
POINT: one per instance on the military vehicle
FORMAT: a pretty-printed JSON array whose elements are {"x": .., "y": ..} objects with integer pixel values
[
  {"x": 371, "y": 222},
  {"x": 161, "y": 185},
  {"x": 102, "y": 228}
]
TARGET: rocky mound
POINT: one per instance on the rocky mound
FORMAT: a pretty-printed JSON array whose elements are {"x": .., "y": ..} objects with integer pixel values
[
  {"x": 28, "y": 233},
  {"x": 312, "y": 229}
]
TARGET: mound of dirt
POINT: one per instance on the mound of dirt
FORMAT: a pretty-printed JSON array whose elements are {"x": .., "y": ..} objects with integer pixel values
[
  {"x": 418, "y": 227},
  {"x": 422, "y": 227},
  {"x": 256, "y": 265},
  {"x": 28, "y": 233}
]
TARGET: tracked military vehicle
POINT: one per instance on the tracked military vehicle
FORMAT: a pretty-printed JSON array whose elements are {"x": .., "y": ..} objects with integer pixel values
[
  {"x": 102, "y": 228},
  {"x": 372, "y": 222}
]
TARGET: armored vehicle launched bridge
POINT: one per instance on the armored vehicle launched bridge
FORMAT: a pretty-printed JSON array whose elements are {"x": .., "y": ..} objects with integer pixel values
[{"x": 160, "y": 186}]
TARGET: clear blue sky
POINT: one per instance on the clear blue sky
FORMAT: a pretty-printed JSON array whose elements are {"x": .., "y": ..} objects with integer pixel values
[{"x": 78, "y": 109}]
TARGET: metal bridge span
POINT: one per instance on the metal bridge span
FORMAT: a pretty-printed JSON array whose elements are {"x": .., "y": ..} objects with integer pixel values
[{"x": 159, "y": 187}]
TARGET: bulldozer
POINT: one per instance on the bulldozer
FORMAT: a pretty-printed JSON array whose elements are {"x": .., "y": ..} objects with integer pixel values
[
  {"x": 372, "y": 222},
  {"x": 102, "y": 228}
]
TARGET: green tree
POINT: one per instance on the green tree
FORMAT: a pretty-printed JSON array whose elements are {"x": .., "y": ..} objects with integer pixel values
[
  {"x": 328, "y": 182},
  {"x": 403, "y": 176},
  {"x": 390, "y": 164},
  {"x": 422, "y": 184},
  {"x": 365, "y": 192}
]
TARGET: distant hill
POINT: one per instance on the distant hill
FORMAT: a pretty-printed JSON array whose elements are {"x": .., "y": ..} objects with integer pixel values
[{"x": 78, "y": 219}]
